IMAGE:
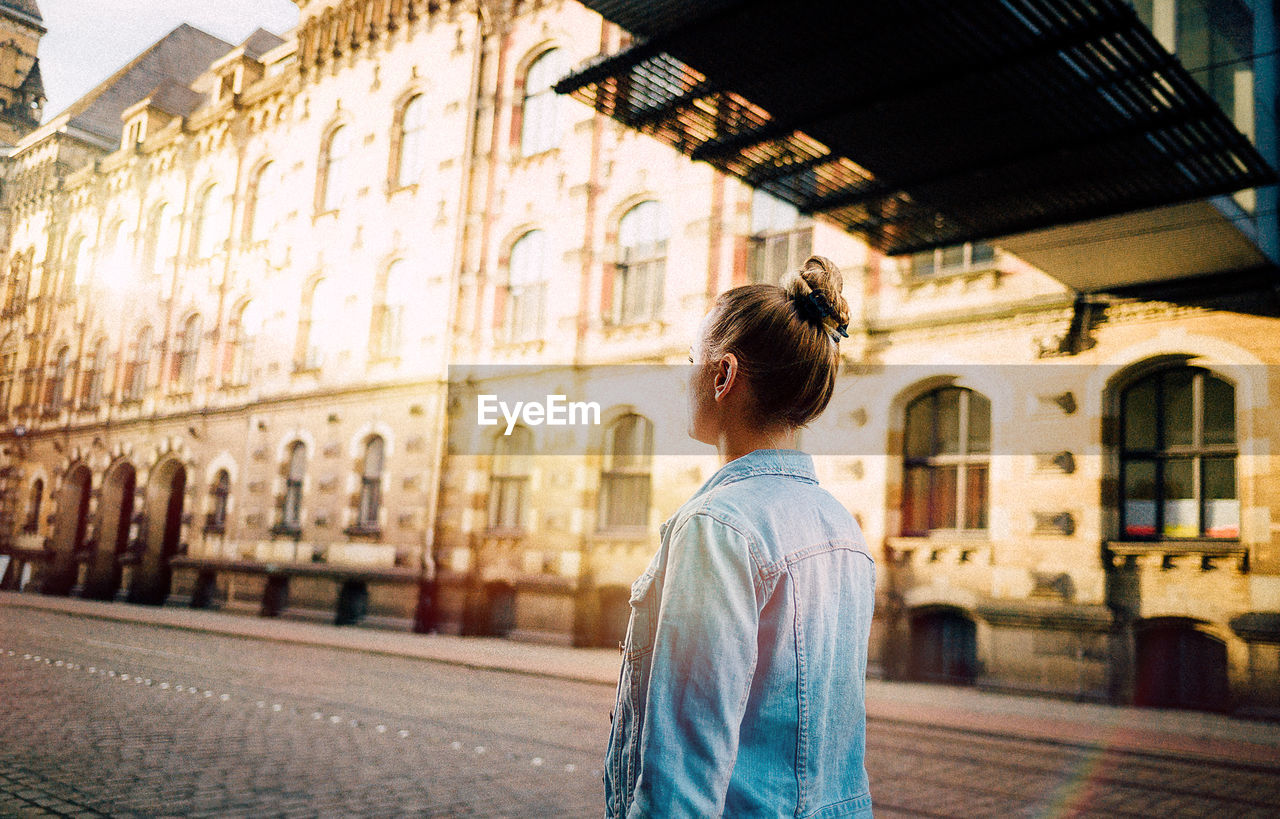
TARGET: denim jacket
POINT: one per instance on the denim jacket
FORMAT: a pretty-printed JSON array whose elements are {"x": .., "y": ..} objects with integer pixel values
[{"x": 744, "y": 667}]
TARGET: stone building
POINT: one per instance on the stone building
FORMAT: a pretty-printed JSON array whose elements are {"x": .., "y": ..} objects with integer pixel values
[{"x": 236, "y": 277}]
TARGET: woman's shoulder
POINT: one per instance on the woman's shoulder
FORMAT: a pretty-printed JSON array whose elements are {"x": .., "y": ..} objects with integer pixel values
[{"x": 778, "y": 516}]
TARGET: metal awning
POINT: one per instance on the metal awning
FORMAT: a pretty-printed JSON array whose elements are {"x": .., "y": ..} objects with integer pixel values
[{"x": 924, "y": 123}]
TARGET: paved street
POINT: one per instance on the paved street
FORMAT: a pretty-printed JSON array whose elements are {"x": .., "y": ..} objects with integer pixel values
[{"x": 125, "y": 719}]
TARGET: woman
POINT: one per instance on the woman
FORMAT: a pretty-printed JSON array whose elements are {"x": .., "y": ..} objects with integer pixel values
[{"x": 743, "y": 671}]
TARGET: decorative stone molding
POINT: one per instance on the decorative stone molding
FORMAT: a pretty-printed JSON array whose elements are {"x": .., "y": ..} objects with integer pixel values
[
  {"x": 1063, "y": 462},
  {"x": 1054, "y": 523}
]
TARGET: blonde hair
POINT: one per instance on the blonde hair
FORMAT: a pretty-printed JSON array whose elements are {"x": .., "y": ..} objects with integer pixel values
[{"x": 786, "y": 338}]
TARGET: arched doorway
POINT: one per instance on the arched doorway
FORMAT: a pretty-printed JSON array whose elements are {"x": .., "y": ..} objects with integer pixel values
[
  {"x": 115, "y": 511},
  {"x": 943, "y": 646},
  {"x": 68, "y": 531},
  {"x": 1179, "y": 666},
  {"x": 162, "y": 536},
  {"x": 500, "y": 608}
]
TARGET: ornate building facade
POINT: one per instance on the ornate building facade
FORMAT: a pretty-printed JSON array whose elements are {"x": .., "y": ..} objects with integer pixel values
[{"x": 236, "y": 277}]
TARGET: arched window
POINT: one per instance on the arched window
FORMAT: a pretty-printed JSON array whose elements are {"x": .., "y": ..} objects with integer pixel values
[
  {"x": 320, "y": 314},
  {"x": 135, "y": 369},
  {"x": 219, "y": 496},
  {"x": 291, "y": 504},
  {"x": 182, "y": 373},
  {"x": 641, "y": 267},
  {"x": 32, "y": 523},
  {"x": 8, "y": 371},
  {"x": 947, "y": 449},
  {"x": 15, "y": 292},
  {"x": 91, "y": 380},
  {"x": 1178, "y": 456},
  {"x": 210, "y": 230},
  {"x": 526, "y": 288},
  {"x": 331, "y": 186},
  {"x": 56, "y": 384},
  {"x": 509, "y": 479},
  {"x": 258, "y": 203},
  {"x": 78, "y": 266},
  {"x": 624, "y": 483},
  {"x": 387, "y": 333},
  {"x": 370, "y": 500},
  {"x": 116, "y": 270},
  {"x": 237, "y": 361},
  {"x": 781, "y": 239},
  {"x": 410, "y": 143},
  {"x": 153, "y": 260},
  {"x": 540, "y": 109}
]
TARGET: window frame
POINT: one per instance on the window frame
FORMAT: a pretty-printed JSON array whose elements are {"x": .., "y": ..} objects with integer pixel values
[
  {"x": 295, "y": 475},
  {"x": 509, "y": 481},
  {"x": 219, "y": 505},
  {"x": 764, "y": 239},
  {"x": 1197, "y": 452},
  {"x": 524, "y": 306},
  {"x": 937, "y": 464},
  {"x": 55, "y": 387},
  {"x": 938, "y": 268},
  {"x": 137, "y": 377},
  {"x": 614, "y": 475},
  {"x": 410, "y": 143},
  {"x": 332, "y": 185},
  {"x": 186, "y": 354},
  {"x": 644, "y": 260},
  {"x": 369, "y": 499},
  {"x": 541, "y": 115}
]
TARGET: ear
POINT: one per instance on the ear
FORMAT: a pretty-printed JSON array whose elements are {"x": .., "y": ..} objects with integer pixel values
[{"x": 726, "y": 376}]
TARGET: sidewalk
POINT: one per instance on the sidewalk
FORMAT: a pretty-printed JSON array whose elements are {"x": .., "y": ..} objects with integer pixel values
[{"x": 1097, "y": 726}]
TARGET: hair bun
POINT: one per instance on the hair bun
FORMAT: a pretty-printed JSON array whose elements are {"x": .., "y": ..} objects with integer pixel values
[{"x": 815, "y": 290}]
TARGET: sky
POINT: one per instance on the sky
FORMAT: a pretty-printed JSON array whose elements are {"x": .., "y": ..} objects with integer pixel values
[{"x": 90, "y": 39}]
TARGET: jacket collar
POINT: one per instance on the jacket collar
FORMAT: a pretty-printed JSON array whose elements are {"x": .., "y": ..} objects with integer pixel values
[{"x": 790, "y": 462}]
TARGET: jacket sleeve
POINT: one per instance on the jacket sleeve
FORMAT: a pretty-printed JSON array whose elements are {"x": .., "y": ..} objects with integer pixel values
[{"x": 704, "y": 657}]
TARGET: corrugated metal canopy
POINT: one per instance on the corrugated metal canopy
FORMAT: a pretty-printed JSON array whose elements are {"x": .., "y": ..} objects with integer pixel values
[{"x": 924, "y": 123}]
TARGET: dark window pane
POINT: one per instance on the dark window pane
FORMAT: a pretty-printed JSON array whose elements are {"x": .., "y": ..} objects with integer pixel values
[
  {"x": 1219, "y": 411},
  {"x": 948, "y": 421},
  {"x": 975, "y": 497},
  {"x": 953, "y": 256},
  {"x": 979, "y": 424},
  {"x": 922, "y": 263},
  {"x": 1138, "y": 502},
  {"x": 915, "y": 501},
  {"x": 1221, "y": 506},
  {"x": 1177, "y": 407},
  {"x": 1181, "y": 518},
  {"x": 942, "y": 498},
  {"x": 1139, "y": 415},
  {"x": 982, "y": 254},
  {"x": 919, "y": 432}
]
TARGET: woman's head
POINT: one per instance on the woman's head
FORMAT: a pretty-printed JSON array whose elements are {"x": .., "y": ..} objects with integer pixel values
[{"x": 780, "y": 342}]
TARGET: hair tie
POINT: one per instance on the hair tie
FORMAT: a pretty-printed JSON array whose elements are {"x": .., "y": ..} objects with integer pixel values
[{"x": 830, "y": 319}]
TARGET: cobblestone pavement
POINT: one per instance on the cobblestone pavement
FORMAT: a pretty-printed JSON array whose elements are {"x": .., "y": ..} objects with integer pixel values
[{"x": 111, "y": 718}]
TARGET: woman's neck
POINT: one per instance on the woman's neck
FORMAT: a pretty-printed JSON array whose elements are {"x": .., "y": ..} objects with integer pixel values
[{"x": 740, "y": 440}]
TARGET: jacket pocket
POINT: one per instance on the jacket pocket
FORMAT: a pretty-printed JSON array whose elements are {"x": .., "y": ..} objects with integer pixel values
[{"x": 644, "y": 615}]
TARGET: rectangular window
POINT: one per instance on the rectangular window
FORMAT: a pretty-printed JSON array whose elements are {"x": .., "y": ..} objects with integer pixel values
[
  {"x": 965, "y": 258},
  {"x": 624, "y": 500},
  {"x": 506, "y": 501}
]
